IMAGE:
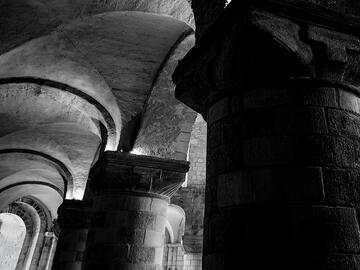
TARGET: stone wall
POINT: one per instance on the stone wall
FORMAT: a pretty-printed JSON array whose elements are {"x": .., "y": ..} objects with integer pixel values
[{"x": 197, "y": 153}]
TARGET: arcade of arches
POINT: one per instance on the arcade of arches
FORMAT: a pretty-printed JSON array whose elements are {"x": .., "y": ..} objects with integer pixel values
[{"x": 179, "y": 134}]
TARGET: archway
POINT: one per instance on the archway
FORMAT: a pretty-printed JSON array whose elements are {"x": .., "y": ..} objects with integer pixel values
[
  {"x": 33, "y": 250},
  {"x": 12, "y": 236}
]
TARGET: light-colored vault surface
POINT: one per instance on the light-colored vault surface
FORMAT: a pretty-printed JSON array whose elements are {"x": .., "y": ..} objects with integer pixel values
[{"x": 76, "y": 79}]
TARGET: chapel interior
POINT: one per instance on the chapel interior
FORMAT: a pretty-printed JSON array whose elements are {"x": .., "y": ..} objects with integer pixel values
[{"x": 179, "y": 134}]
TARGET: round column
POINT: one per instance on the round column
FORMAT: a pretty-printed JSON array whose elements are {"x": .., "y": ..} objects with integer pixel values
[
  {"x": 48, "y": 251},
  {"x": 283, "y": 179},
  {"x": 127, "y": 231},
  {"x": 131, "y": 195},
  {"x": 74, "y": 222}
]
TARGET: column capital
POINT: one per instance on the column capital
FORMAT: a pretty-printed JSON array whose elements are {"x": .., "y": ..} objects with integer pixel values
[
  {"x": 127, "y": 172},
  {"x": 259, "y": 43},
  {"x": 74, "y": 214}
]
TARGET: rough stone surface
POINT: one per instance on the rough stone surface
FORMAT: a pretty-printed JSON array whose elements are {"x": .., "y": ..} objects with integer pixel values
[
  {"x": 35, "y": 18},
  {"x": 135, "y": 240},
  {"x": 280, "y": 138},
  {"x": 166, "y": 123},
  {"x": 74, "y": 221}
]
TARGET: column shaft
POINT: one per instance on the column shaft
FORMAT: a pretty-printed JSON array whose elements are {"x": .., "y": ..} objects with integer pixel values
[
  {"x": 127, "y": 231},
  {"x": 282, "y": 180},
  {"x": 47, "y": 252},
  {"x": 74, "y": 222}
]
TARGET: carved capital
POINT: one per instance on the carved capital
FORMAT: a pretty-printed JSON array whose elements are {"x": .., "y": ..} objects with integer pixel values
[
  {"x": 127, "y": 172},
  {"x": 337, "y": 54},
  {"x": 337, "y": 44},
  {"x": 259, "y": 43},
  {"x": 285, "y": 31}
]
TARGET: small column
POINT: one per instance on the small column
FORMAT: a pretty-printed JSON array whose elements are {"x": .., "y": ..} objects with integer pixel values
[
  {"x": 131, "y": 197},
  {"x": 48, "y": 251},
  {"x": 74, "y": 222}
]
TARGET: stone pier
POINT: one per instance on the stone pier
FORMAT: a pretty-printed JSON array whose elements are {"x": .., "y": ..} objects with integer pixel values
[
  {"x": 277, "y": 85},
  {"x": 131, "y": 197}
]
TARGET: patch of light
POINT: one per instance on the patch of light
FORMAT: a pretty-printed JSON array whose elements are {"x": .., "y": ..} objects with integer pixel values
[
  {"x": 187, "y": 174},
  {"x": 227, "y": 2},
  {"x": 110, "y": 146},
  {"x": 79, "y": 194},
  {"x": 137, "y": 151}
]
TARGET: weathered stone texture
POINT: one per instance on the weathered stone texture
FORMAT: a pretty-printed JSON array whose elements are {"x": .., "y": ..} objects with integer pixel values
[
  {"x": 274, "y": 153},
  {"x": 128, "y": 231},
  {"x": 283, "y": 142},
  {"x": 166, "y": 123}
]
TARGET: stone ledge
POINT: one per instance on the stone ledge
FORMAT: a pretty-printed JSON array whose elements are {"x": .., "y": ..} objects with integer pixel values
[
  {"x": 125, "y": 172},
  {"x": 120, "y": 158}
]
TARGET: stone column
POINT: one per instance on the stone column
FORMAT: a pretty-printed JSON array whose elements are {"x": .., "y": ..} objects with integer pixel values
[
  {"x": 131, "y": 197},
  {"x": 283, "y": 148},
  {"x": 74, "y": 222},
  {"x": 48, "y": 251}
]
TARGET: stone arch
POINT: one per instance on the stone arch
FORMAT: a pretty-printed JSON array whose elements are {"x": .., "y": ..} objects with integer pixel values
[
  {"x": 37, "y": 220},
  {"x": 24, "y": 15},
  {"x": 45, "y": 226},
  {"x": 32, "y": 224},
  {"x": 63, "y": 170},
  {"x": 86, "y": 98}
]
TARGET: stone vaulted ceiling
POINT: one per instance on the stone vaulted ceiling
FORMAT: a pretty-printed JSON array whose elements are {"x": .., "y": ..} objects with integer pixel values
[{"x": 81, "y": 76}]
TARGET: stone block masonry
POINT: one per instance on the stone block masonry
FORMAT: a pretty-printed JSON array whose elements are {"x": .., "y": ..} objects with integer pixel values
[
  {"x": 128, "y": 234},
  {"x": 131, "y": 195},
  {"x": 278, "y": 86}
]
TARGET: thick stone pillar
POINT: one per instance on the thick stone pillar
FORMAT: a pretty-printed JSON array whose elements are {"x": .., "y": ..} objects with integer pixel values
[
  {"x": 131, "y": 197},
  {"x": 74, "y": 221},
  {"x": 283, "y": 118},
  {"x": 293, "y": 198}
]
